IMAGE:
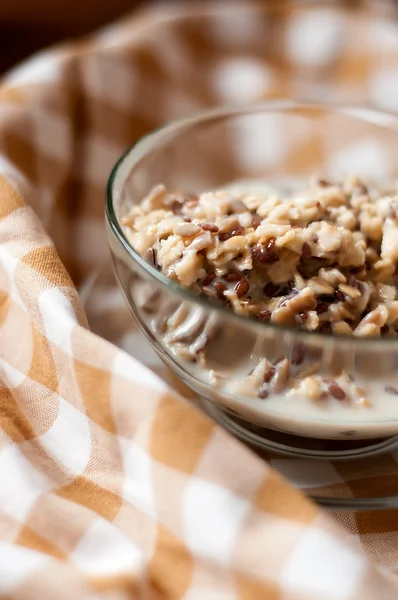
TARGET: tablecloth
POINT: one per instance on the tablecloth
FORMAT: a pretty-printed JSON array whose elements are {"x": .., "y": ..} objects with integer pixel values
[{"x": 111, "y": 485}]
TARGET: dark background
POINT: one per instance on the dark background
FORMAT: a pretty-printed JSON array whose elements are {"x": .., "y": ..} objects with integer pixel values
[{"x": 28, "y": 25}]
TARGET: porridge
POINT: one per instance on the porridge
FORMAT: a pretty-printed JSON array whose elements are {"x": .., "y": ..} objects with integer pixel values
[{"x": 321, "y": 257}]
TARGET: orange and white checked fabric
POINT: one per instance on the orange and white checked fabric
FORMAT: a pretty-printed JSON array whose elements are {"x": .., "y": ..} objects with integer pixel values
[{"x": 110, "y": 485}]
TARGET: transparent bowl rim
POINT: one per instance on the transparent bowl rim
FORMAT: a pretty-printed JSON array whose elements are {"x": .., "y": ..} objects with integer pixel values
[{"x": 137, "y": 152}]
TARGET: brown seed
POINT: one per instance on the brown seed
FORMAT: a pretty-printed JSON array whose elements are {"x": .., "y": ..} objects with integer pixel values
[
  {"x": 324, "y": 183},
  {"x": 176, "y": 207},
  {"x": 352, "y": 281},
  {"x": 325, "y": 327},
  {"x": 327, "y": 298},
  {"x": 361, "y": 189},
  {"x": 256, "y": 252},
  {"x": 315, "y": 238},
  {"x": 336, "y": 391},
  {"x": 269, "y": 373},
  {"x": 263, "y": 394},
  {"x": 241, "y": 288},
  {"x": 232, "y": 276},
  {"x": 224, "y": 236},
  {"x": 270, "y": 258},
  {"x": 256, "y": 220},
  {"x": 264, "y": 314},
  {"x": 209, "y": 278},
  {"x": 187, "y": 220},
  {"x": 238, "y": 231},
  {"x": 355, "y": 270},
  {"x": 271, "y": 289},
  {"x": 220, "y": 288},
  {"x": 306, "y": 251},
  {"x": 210, "y": 227},
  {"x": 321, "y": 307},
  {"x": 265, "y": 254},
  {"x": 392, "y": 390},
  {"x": 298, "y": 354},
  {"x": 318, "y": 205}
]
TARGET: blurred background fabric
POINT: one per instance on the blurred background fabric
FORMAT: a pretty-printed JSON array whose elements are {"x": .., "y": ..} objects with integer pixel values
[{"x": 27, "y": 26}]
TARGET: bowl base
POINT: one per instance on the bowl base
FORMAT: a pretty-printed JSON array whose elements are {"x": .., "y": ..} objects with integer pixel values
[
  {"x": 286, "y": 444},
  {"x": 316, "y": 466}
]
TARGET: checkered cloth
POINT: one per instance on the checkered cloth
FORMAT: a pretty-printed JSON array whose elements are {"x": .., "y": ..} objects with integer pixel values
[{"x": 111, "y": 486}]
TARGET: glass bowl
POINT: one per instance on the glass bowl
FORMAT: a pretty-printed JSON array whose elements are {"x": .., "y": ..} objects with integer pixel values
[{"x": 212, "y": 346}]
